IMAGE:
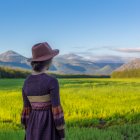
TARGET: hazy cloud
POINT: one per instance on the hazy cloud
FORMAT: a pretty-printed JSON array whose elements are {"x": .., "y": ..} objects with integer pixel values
[
  {"x": 78, "y": 47},
  {"x": 114, "y": 48},
  {"x": 97, "y": 48},
  {"x": 104, "y": 57},
  {"x": 128, "y": 50},
  {"x": 81, "y": 52},
  {"x": 109, "y": 58},
  {"x": 92, "y": 48}
]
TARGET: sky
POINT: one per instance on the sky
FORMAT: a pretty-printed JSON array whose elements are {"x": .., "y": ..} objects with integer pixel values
[{"x": 90, "y": 28}]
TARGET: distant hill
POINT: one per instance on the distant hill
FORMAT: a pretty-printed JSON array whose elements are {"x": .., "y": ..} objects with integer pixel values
[
  {"x": 128, "y": 70},
  {"x": 134, "y": 64},
  {"x": 63, "y": 64}
]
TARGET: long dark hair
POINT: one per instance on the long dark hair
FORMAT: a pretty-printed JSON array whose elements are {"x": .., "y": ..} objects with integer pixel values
[{"x": 39, "y": 65}]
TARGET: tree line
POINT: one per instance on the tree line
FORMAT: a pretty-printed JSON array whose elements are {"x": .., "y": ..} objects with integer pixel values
[{"x": 8, "y": 72}]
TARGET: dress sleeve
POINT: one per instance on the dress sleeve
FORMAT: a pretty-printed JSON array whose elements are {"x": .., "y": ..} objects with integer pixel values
[
  {"x": 25, "y": 110},
  {"x": 57, "y": 110}
]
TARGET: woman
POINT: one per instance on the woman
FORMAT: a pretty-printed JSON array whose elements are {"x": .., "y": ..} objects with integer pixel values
[{"x": 42, "y": 115}]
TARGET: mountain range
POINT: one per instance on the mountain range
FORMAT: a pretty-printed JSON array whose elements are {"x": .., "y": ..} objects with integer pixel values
[{"x": 63, "y": 64}]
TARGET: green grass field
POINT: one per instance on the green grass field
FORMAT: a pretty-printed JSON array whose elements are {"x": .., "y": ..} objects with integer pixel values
[{"x": 94, "y": 109}]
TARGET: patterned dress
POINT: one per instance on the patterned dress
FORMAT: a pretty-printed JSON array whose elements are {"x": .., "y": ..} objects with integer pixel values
[{"x": 42, "y": 115}]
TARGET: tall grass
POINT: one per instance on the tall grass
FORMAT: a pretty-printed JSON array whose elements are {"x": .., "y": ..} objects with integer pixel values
[{"x": 88, "y": 103}]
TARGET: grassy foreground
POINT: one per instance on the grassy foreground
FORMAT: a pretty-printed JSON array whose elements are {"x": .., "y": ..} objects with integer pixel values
[
  {"x": 88, "y": 103},
  {"x": 126, "y": 132}
]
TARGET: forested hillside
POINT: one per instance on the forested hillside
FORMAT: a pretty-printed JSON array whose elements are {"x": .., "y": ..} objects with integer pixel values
[
  {"x": 7, "y": 72},
  {"x": 132, "y": 73}
]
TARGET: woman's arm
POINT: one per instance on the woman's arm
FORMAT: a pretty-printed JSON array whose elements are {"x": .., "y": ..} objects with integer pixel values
[
  {"x": 26, "y": 110},
  {"x": 57, "y": 110}
]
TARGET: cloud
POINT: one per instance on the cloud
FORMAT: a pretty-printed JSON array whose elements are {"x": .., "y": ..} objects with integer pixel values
[
  {"x": 105, "y": 54},
  {"x": 97, "y": 48},
  {"x": 78, "y": 47},
  {"x": 109, "y": 58},
  {"x": 127, "y": 50},
  {"x": 85, "y": 48},
  {"x": 114, "y": 48},
  {"x": 81, "y": 52}
]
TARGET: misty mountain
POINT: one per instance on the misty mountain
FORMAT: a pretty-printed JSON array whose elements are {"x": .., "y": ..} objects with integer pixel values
[
  {"x": 11, "y": 56},
  {"x": 13, "y": 59},
  {"x": 63, "y": 64}
]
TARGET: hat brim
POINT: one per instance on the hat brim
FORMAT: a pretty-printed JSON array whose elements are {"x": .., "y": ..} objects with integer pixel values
[{"x": 42, "y": 58}]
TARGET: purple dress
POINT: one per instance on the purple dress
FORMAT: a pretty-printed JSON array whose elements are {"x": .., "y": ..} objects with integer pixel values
[{"x": 42, "y": 115}]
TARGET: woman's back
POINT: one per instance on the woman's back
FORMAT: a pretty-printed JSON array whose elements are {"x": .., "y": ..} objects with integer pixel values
[
  {"x": 37, "y": 84},
  {"x": 42, "y": 114}
]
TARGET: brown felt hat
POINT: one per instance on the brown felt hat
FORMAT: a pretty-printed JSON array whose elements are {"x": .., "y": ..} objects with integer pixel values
[{"x": 42, "y": 51}]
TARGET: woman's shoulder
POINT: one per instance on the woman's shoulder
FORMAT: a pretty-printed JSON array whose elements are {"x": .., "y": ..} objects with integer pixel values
[
  {"x": 53, "y": 81},
  {"x": 52, "y": 77},
  {"x": 26, "y": 78}
]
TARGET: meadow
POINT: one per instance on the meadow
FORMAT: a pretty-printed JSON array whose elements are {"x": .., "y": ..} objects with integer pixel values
[{"x": 94, "y": 109}]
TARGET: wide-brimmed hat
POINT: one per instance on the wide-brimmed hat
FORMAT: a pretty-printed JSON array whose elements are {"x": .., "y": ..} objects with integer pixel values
[{"x": 42, "y": 51}]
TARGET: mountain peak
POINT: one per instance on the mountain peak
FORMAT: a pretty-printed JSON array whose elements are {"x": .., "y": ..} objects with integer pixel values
[
  {"x": 71, "y": 56},
  {"x": 10, "y": 52},
  {"x": 133, "y": 64},
  {"x": 12, "y": 56}
]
